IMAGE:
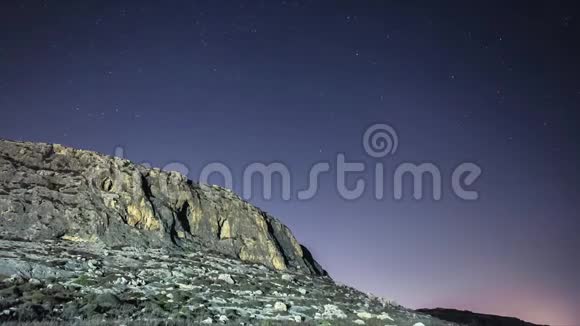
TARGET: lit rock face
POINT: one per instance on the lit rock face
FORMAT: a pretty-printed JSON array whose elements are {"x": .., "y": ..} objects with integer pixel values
[{"x": 54, "y": 192}]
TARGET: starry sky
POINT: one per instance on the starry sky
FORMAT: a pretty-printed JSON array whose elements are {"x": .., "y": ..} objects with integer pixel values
[{"x": 297, "y": 82}]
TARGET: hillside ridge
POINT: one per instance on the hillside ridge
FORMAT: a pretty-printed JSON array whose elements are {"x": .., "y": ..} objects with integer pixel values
[
  {"x": 86, "y": 238},
  {"x": 49, "y": 191}
]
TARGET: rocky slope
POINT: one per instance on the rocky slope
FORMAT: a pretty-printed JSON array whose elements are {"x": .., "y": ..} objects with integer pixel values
[
  {"x": 85, "y": 236},
  {"x": 67, "y": 281}
]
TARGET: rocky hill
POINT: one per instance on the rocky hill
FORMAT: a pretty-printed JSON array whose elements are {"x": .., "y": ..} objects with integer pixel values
[
  {"x": 84, "y": 236},
  {"x": 474, "y": 319},
  {"x": 55, "y": 192}
]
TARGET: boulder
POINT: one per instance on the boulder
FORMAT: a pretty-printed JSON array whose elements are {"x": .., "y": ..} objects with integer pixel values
[{"x": 280, "y": 306}]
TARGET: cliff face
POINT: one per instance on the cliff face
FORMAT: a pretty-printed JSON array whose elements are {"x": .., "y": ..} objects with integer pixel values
[{"x": 54, "y": 192}]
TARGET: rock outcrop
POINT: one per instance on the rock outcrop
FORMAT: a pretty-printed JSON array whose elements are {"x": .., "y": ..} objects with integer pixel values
[{"x": 50, "y": 192}]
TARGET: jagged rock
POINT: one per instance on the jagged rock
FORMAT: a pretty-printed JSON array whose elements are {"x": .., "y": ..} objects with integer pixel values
[
  {"x": 280, "y": 306},
  {"x": 288, "y": 277},
  {"x": 333, "y": 312},
  {"x": 93, "y": 264},
  {"x": 226, "y": 278},
  {"x": 384, "y": 316},
  {"x": 55, "y": 192},
  {"x": 34, "y": 281},
  {"x": 364, "y": 315},
  {"x": 120, "y": 281}
]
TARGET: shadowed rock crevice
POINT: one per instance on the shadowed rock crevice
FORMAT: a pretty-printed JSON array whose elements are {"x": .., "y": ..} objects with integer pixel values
[
  {"x": 107, "y": 184},
  {"x": 223, "y": 231},
  {"x": 146, "y": 188},
  {"x": 183, "y": 217},
  {"x": 277, "y": 239}
]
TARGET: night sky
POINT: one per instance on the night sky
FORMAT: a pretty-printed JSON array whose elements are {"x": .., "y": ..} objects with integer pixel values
[{"x": 298, "y": 82}]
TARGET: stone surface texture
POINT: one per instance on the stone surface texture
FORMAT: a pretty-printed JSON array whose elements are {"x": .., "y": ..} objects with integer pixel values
[{"x": 55, "y": 192}]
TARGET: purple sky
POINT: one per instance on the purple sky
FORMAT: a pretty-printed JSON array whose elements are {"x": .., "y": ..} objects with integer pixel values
[{"x": 298, "y": 82}]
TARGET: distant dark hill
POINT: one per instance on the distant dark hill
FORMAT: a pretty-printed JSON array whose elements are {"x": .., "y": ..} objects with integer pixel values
[{"x": 474, "y": 319}]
